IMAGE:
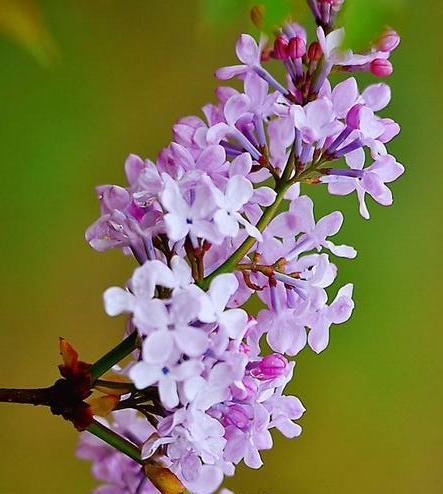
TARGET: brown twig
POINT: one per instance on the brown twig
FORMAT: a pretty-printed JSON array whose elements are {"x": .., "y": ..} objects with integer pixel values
[{"x": 38, "y": 396}]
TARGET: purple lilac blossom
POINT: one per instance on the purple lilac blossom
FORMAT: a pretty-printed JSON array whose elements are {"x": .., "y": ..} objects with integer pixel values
[
  {"x": 120, "y": 474},
  {"x": 219, "y": 392}
]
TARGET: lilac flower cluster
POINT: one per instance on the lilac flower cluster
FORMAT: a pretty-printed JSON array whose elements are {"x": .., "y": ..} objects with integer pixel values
[{"x": 219, "y": 219}]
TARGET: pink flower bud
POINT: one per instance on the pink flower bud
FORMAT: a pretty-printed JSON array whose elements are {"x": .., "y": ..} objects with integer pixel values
[
  {"x": 388, "y": 41},
  {"x": 315, "y": 52},
  {"x": 381, "y": 67},
  {"x": 353, "y": 117},
  {"x": 335, "y": 4},
  {"x": 270, "y": 367},
  {"x": 281, "y": 48},
  {"x": 297, "y": 47}
]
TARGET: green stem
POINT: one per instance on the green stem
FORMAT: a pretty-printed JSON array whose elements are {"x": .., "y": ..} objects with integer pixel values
[
  {"x": 115, "y": 440},
  {"x": 230, "y": 264},
  {"x": 289, "y": 168},
  {"x": 282, "y": 187},
  {"x": 114, "y": 356}
]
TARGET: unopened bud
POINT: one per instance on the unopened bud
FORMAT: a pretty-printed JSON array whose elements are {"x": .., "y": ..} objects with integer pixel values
[
  {"x": 388, "y": 41},
  {"x": 270, "y": 367},
  {"x": 381, "y": 67},
  {"x": 162, "y": 478},
  {"x": 258, "y": 16},
  {"x": 315, "y": 52},
  {"x": 297, "y": 47},
  {"x": 103, "y": 405},
  {"x": 72, "y": 367},
  {"x": 281, "y": 48},
  {"x": 68, "y": 353},
  {"x": 335, "y": 4}
]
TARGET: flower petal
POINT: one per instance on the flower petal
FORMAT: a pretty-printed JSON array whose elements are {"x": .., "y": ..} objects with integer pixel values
[
  {"x": 247, "y": 50},
  {"x": 236, "y": 106},
  {"x": 144, "y": 375},
  {"x": 191, "y": 341},
  {"x": 168, "y": 391},
  {"x": 377, "y": 96},
  {"x": 211, "y": 158},
  {"x": 221, "y": 289},
  {"x": 234, "y": 322},
  {"x": 118, "y": 301},
  {"x": 157, "y": 347}
]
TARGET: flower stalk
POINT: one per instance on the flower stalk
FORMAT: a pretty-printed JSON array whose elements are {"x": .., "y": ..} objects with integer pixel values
[
  {"x": 115, "y": 440},
  {"x": 114, "y": 356}
]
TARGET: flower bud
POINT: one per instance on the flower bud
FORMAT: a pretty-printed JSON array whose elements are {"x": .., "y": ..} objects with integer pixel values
[
  {"x": 297, "y": 47},
  {"x": 258, "y": 16},
  {"x": 332, "y": 3},
  {"x": 73, "y": 368},
  {"x": 270, "y": 367},
  {"x": 388, "y": 41},
  {"x": 315, "y": 52},
  {"x": 103, "y": 405},
  {"x": 381, "y": 67},
  {"x": 68, "y": 353},
  {"x": 163, "y": 479},
  {"x": 281, "y": 48},
  {"x": 328, "y": 7}
]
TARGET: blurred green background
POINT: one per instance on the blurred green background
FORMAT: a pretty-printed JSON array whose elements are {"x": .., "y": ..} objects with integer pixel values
[{"x": 83, "y": 84}]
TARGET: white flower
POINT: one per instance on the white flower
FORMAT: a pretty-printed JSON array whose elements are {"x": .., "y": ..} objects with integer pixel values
[
  {"x": 232, "y": 322},
  {"x": 138, "y": 299},
  {"x": 189, "y": 217},
  {"x": 145, "y": 374},
  {"x": 238, "y": 191}
]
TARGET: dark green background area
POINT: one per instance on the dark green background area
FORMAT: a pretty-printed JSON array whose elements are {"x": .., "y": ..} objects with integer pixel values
[{"x": 125, "y": 72}]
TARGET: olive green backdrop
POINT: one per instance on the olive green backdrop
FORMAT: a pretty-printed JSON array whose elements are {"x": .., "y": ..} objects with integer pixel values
[{"x": 90, "y": 82}]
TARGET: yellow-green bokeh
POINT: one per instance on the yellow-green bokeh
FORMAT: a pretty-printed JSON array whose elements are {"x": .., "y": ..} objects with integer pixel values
[{"x": 125, "y": 72}]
